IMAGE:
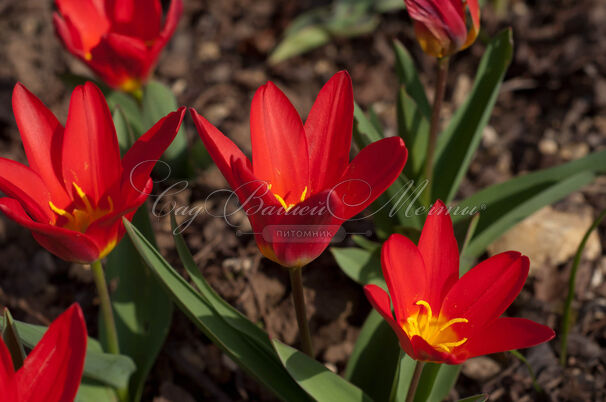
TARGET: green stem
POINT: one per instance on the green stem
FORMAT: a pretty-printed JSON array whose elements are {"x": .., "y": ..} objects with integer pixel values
[
  {"x": 111, "y": 335},
  {"x": 440, "y": 90},
  {"x": 396, "y": 379},
  {"x": 571, "y": 283},
  {"x": 414, "y": 383},
  {"x": 298, "y": 298}
]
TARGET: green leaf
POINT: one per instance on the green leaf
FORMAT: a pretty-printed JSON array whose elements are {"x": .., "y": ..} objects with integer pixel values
[
  {"x": 11, "y": 339},
  {"x": 405, "y": 373},
  {"x": 240, "y": 347},
  {"x": 413, "y": 127},
  {"x": 475, "y": 398},
  {"x": 365, "y": 132},
  {"x": 365, "y": 243},
  {"x": 130, "y": 108},
  {"x": 319, "y": 382},
  {"x": 106, "y": 368},
  {"x": 444, "y": 381},
  {"x": 92, "y": 391},
  {"x": 458, "y": 143},
  {"x": 362, "y": 266},
  {"x": 374, "y": 360},
  {"x": 409, "y": 79},
  {"x": 126, "y": 136},
  {"x": 142, "y": 310},
  {"x": 158, "y": 101},
  {"x": 499, "y": 215}
]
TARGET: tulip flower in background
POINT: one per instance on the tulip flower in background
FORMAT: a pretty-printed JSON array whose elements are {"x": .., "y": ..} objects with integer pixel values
[
  {"x": 300, "y": 178},
  {"x": 120, "y": 40},
  {"x": 444, "y": 27},
  {"x": 441, "y": 318},
  {"x": 53, "y": 369},
  {"x": 76, "y": 190}
]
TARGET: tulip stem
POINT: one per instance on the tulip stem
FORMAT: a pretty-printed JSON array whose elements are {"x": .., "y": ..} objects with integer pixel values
[
  {"x": 414, "y": 383},
  {"x": 111, "y": 335},
  {"x": 298, "y": 298},
  {"x": 440, "y": 91}
]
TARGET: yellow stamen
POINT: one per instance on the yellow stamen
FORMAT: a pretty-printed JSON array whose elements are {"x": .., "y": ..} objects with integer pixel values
[
  {"x": 88, "y": 56},
  {"x": 303, "y": 195},
  {"x": 433, "y": 329},
  {"x": 288, "y": 207},
  {"x": 83, "y": 197},
  {"x": 78, "y": 218}
]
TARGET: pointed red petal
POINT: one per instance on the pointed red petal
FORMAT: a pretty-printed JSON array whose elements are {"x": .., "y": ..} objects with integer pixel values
[
  {"x": 170, "y": 25},
  {"x": 91, "y": 156},
  {"x": 221, "y": 149},
  {"x": 137, "y": 18},
  {"x": 379, "y": 299},
  {"x": 42, "y": 137},
  {"x": 66, "y": 244},
  {"x": 405, "y": 275},
  {"x": 8, "y": 386},
  {"x": 69, "y": 35},
  {"x": 279, "y": 146},
  {"x": 485, "y": 292},
  {"x": 88, "y": 19},
  {"x": 328, "y": 129},
  {"x": 505, "y": 334},
  {"x": 440, "y": 251},
  {"x": 20, "y": 182},
  {"x": 53, "y": 369},
  {"x": 141, "y": 158},
  {"x": 371, "y": 172}
]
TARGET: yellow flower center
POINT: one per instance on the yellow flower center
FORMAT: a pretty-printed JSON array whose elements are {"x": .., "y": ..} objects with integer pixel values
[
  {"x": 79, "y": 219},
  {"x": 288, "y": 207},
  {"x": 436, "y": 331}
]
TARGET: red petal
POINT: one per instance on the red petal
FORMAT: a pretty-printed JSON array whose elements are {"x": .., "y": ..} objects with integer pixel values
[
  {"x": 87, "y": 18},
  {"x": 66, "y": 244},
  {"x": 474, "y": 10},
  {"x": 53, "y": 369},
  {"x": 141, "y": 158},
  {"x": 279, "y": 146},
  {"x": 371, "y": 172},
  {"x": 405, "y": 275},
  {"x": 328, "y": 129},
  {"x": 137, "y": 18},
  {"x": 130, "y": 54},
  {"x": 425, "y": 352},
  {"x": 442, "y": 18},
  {"x": 220, "y": 148},
  {"x": 507, "y": 334},
  {"x": 7, "y": 375},
  {"x": 440, "y": 251},
  {"x": 381, "y": 302},
  {"x": 69, "y": 35},
  {"x": 297, "y": 252},
  {"x": 42, "y": 137},
  {"x": 170, "y": 25},
  {"x": 20, "y": 182},
  {"x": 485, "y": 292},
  {"x": 91, "y": 156}
]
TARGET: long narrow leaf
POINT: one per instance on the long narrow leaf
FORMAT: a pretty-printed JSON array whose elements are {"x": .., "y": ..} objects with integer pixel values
[
  {"x": 320, "y": 383},
  {"x": 244, "y": 350},
  {"x": 458, "y": 143}
]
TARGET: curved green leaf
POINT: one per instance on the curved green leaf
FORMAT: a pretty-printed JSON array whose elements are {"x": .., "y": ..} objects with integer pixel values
[{"x": 320, "y": 383}]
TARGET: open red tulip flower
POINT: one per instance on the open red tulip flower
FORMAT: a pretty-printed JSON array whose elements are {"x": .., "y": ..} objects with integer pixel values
[
  {"x": 300, "y": 186},
  {"x": 444, "y": 27},
  {"x": 76, "y": 189},
  {"x": 53, "y": 369},
  {"x": 120, "y": 40},
  {"x": 441, "y": 318}
]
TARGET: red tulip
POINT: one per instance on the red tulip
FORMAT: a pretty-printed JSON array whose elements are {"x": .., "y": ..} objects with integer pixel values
[
  {"x": 441, "y": 318},
  {"x": 53, "y": 369},
  {"x": 301, "y": 186},
  {"x": 120, "y": 40},
  {"x": 76, "y": 190},
  {"x": 442, "y": 26}
]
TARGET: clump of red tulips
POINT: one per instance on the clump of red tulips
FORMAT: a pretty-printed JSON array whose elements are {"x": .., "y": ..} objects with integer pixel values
[{"x": 86, "y": 183}]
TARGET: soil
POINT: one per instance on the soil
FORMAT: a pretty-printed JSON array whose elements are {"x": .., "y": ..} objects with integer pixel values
[{"x": 551, "y": 109}]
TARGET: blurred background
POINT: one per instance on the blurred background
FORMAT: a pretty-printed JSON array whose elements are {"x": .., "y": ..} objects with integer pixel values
[{"x": 551, "y": 109}]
